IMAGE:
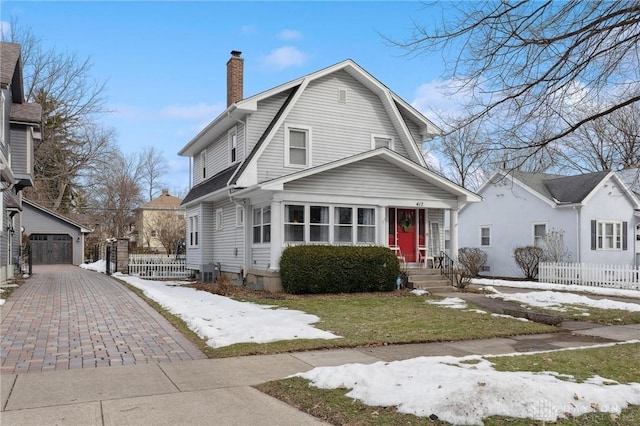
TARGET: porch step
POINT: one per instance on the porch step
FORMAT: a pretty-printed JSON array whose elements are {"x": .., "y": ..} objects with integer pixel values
[{"x": 429, "y": 279}]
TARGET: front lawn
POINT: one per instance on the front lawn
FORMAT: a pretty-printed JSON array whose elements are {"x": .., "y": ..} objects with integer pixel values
[
  {"x": 379, "y": 319},
  {"x": 618, "y": 363}
]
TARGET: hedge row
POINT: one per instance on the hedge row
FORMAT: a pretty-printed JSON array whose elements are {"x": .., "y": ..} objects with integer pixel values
[{"x": 312, "y": 269}]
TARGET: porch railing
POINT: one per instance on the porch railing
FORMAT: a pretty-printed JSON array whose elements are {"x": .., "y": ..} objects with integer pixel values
[{"x": 448, "y": 268}]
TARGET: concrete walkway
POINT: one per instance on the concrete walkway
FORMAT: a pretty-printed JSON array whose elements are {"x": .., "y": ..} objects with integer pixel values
[{"x": 219, "y": 392}]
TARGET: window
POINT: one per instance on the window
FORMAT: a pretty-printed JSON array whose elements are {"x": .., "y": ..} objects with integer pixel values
[
  {"x": 366, "y": 225},
  {"x": 539, "y": 234},
  {"x": 219, "y": 219},
  {"x": 239, "y": 216},
  {"x": 343, "y": 228},
  {"x": 319, "y": 224},
  {"x": 342, "y": 96},
  {"x": 2, "y": 118},
  {"x": 381, "y": 141},
  {"x": 154, "y": 233},
  {"x": 294, "y": 223},
  {"x": 262, "y": 225},
  {"x": 233, "y": 146},
  {"x": 193, "y": 230},
  {"x": 297, "y": 146},
  {"x": 485, "y": 236},
  {"x": 203, "y": 163},
  {"x": 609, "y": 235}
]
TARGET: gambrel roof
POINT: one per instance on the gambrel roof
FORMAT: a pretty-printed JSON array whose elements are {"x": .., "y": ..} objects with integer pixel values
[{"x": 395, "y": 107}]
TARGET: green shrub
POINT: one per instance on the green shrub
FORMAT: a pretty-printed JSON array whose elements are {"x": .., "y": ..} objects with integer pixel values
[{"x": 314, "y": 269}]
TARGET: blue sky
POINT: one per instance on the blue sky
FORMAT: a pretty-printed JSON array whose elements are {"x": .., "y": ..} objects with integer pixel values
[{"x": 165, "y": 62}]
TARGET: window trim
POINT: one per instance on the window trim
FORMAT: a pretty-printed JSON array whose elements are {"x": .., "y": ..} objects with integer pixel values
[
  {"x": 203, "y": 164},
  {"x": 533, "y": 232},
  {"x": 219, "y": 219},
  {"x": 2, "y": 114},
  {"x": 354, "y": 226},
  {"x": 481, "y": 236},
  {"x": 287, "y": 145},
  {"x": 232, "y": 137},
  {"x": 375, "y": 136},
  {"x": 239, "y": 216},
  {"x": 616, "y": 236},
  {"x": 194, "y": 226},
  {"x": 262, "y": 225}
]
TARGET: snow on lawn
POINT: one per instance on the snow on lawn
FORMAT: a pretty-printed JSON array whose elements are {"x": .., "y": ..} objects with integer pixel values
[
  {"x": 222, "y": 321},
  {"x": 460, "y": 390},
  {"x": 561, "y": 287},
  {"x": 464, "y": 390},
  {"x": 555, "y": 300}
]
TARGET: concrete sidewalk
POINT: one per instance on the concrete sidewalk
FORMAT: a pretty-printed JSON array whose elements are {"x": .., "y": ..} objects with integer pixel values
[{"x": 219, "y": 392}]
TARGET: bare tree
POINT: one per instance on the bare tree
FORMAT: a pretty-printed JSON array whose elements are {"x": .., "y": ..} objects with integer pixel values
[
  {"x": 606, "y": 143},
  {"x": 465, "y": 156},
  {"x": 554, "y": 249},
  {"x": 115, "y": 193},
  {"x": 529, "y": 63},
  {"x": 72, "y": 139},
  {"x": 169, "y": 227},
  {"x": 153, "y": 168}
]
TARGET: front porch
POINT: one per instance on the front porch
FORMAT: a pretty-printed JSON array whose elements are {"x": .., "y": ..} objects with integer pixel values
[{"x": 419, "y": 236}]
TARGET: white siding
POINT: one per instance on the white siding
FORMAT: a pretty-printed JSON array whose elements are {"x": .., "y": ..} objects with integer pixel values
[
  {"x": 338, "y": 129},
  {"x": 228, "y": 242},
  {"x": 194, "y": 253},
  {"x": 207, "y": 225},
  {"x": 510, "y": 211},
  {"x": 608, "y": 204},
  {"x": 260, "y": 120},
  {"x": 370, "y": 178}
]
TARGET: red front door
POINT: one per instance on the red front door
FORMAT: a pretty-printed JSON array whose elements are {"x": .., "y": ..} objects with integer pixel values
[{"x": 406, "y": 229}]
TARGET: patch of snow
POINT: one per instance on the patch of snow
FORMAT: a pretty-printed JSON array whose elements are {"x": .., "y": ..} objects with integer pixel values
[
  {"x": 465, "y": 390},
  {"x": 555, "y": 300}
]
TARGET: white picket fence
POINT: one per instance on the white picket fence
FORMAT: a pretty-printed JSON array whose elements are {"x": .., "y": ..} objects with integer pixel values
[
  {"x": 608, "y": 276},
  {"x": 158, "y": 266}
]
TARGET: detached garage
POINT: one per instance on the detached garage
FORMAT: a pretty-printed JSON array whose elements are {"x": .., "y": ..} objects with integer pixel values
[{"x": 54, "y": 239}]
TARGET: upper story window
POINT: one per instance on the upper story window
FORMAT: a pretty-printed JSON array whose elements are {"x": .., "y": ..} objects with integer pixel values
[
  {"x": 203, "y": 163},
  {"x": 297, "y": 141},
  {"x": 233, "y": 146},
  {"x": 2, "y": 118},
  {"x": 381, "y": 141},
  {"x": 539, "y": 234},
  {"x": 485, "y": 236}
]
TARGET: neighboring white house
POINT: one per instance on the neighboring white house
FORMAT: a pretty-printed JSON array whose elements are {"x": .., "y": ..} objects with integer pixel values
[
  {"x": 597, "y": 212},
  {"x": 333, "y": 157}
]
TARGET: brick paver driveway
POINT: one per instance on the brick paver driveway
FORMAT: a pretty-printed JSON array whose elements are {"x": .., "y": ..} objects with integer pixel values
[{"x": 66, "y": 317}]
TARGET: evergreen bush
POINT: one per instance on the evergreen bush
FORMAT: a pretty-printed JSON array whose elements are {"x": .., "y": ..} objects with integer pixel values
[{"x": 319, "y": 269}]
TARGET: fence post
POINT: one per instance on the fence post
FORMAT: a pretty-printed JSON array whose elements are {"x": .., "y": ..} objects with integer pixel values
[
  {"x": 108, "y": 259},
  {"x": 30, "y": 257},
  {"x": 122, "y": 255}
]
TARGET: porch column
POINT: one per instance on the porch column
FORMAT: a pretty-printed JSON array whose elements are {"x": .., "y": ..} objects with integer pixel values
[
  {"x": 453, "y": 234},
  {"x": 277, "y": 239}
]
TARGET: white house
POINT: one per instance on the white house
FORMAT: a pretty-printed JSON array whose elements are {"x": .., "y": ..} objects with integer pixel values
[
  {"x": 597, "y": 213},
  {"x": 333, "y": 157}
]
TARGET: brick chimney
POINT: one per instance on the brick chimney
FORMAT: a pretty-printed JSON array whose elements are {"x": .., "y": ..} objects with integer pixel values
[{"x": 235, "y": 72}]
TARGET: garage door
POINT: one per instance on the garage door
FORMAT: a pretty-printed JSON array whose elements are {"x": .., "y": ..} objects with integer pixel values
[{"x": 48, "y": 249}]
